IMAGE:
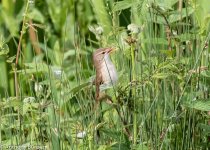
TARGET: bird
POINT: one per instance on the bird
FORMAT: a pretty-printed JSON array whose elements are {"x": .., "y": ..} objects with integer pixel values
[{"x": 106, "y": 73}]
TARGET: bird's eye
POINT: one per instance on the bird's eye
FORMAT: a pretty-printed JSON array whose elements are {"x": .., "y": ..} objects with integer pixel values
[{"x": 103, "y": 52}]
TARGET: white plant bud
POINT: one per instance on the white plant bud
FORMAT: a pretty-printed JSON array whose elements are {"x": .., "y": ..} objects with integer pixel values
[
  {"x": 38, "y": 87},
  {"x": 135, "y": 29},
  {"x": 29, "y": 100},
  {"x": 57, "y": 73},
  {"x": 97, "y": 30},
  {"x": 81, "y": 134}
]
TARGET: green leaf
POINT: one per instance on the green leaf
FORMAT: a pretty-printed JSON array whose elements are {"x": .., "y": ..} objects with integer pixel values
[
  {"x": 11, "y": 23},
  {"x": 121, "y": 146},
  {"x": 54, "y": 13},
  {"x": 26, "y": 108},
  {"x": 13, "y": 102},
  {"x": 112, "y": 133},
  {"x": 79, "y": 87},
  {"x": 11, "y": 59},
  {"x": 206, "y": 74},
  {"x": 36, "y": 15},
  {"x": 9, "y": 6},
  {"x": 165, "y": 5},
  {"x": 34, "y": 68},
  {"x": 161, "y": 75},
  {"x": 185, "y": 37},
  {"x": 202, "y": 14},
  {"x": 168, "y": 65},
  {"x": 203, "y": 105},
  {"x": 4, "y": 49},
  {"x": 142, "y": 146},
  {"x": 204, "y": 127},
  {"x": 169, "y": 53},
  {"x": 69, "y": 53},
  {"x": 177, "y": 15},
  {"x": 121, "y": 5},
  {"x": 102, "y": 15},
  {"x": 169, "y": 3}
]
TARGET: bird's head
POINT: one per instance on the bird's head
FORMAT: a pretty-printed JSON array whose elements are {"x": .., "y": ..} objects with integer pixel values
[{"x": 99, "y": 54}]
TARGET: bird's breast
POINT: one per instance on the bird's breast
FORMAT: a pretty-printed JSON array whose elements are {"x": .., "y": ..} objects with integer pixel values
[{"x": 108, "y": 71}]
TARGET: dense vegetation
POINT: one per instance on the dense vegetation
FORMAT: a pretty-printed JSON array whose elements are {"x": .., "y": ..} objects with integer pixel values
[{"x": 161, "y": 100}]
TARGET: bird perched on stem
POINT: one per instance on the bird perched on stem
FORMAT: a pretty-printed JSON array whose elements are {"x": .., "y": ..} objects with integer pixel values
[{"x": 106, "y": 73}]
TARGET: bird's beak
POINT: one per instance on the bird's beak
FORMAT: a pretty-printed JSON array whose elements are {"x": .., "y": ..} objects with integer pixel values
[{"x": 109, "y": 50}]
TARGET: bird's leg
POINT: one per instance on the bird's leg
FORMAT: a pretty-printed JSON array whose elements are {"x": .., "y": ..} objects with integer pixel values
[{"x": 98, "y": 82}]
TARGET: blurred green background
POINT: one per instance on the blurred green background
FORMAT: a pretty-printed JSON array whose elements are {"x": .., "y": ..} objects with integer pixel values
[{"x": 161, "y": 100}]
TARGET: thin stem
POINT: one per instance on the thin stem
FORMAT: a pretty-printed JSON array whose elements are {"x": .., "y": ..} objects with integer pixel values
[
  {"x": 22, "y": 32},
  {"x": 18, "y": 50},
  {"x": 133, "y": 95}
]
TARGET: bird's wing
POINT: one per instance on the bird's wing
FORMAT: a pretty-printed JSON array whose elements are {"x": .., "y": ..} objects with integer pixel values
[{"x": 98, "y": 81}]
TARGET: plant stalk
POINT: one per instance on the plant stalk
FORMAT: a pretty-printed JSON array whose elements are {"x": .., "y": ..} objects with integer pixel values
[{"x": 133, "y": 94}]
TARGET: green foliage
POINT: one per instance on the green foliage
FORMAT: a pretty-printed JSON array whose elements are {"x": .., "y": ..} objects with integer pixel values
[
  {"x": 4, "y": 49},
  {"x": 161, "y": 100},
  {"x": 203, "y": 105}
]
